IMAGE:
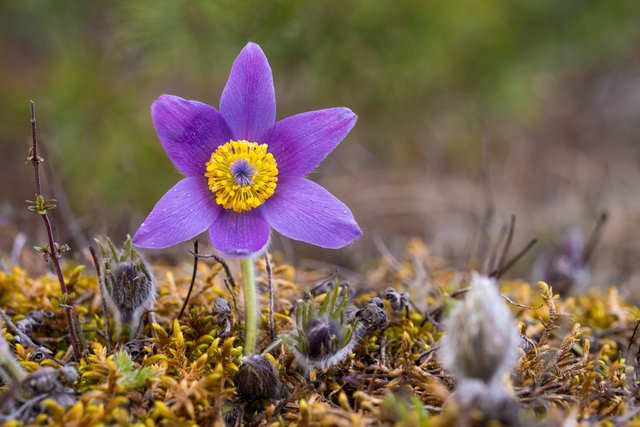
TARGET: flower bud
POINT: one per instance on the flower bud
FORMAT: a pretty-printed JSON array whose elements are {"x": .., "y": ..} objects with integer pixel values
[
  {"x": 128, "y": 285},
  {"x": 257, "y": 379},
  {"x": 323, "y": 335},
  {"x": 222, "y": 310},
  {"x": 482, "y": 339},
  {"x": 397, "y": 300},
  {"x": 372, "y": 315}
]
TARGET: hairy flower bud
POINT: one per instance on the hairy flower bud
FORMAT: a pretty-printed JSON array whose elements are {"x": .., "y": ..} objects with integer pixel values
[
  {"x": 323, "y": 335},
  {"x": 372, "y": 315},
  {"x": 257, "y": 379},
  {"x": 482, "y": 338},
  {"x": 128, "y": 285},
  {"x": 397, "y": 300}
]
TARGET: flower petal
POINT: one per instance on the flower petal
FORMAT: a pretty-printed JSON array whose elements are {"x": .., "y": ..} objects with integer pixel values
[
  {"x": 189, "y": 132},
  {"x": 248, "y": 101},
  {"x": 303, "y": 210},
  {"x": 299, "y": 143},
  {"x": 239, "y": 234},
  {"x": 183, "y": 212}
]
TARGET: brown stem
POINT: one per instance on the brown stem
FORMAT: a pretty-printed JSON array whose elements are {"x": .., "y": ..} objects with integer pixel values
[
  {"x": 224, "y": 265},
  {"x": 595, "y": 237},
  {"x": 272, "y": 329},
  {"x": 53, "y": 252},
  {"x": 105, "y": 311},
  {"x": 193, "y": 278}
]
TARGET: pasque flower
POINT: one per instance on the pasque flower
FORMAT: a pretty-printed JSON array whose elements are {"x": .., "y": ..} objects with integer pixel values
[{"x": 244, "y": 172}]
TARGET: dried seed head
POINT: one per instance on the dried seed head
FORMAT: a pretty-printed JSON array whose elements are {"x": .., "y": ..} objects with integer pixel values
[
  {"x": 397, "y": 300},
  {"x": 128, "y": 285},
  {"x": 372, "y": 315},
  {"x": 24, "y": 402},
  {"x": 482, "y": 338},
  {"x": 34, "y": 320},
  {"x": 221, "y": 308},
  {"x": 257, "y": 379},
  {"x": 323, "y": 335},
  {"x": 222, "y": 311}
]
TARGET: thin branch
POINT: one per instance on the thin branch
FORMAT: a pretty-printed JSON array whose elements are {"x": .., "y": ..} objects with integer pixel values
[
  {"x": 517, "y": 304},
  {"x": 272, "y": 330},
  {"x": 595, "y": 237},
  {"x": 491, "y": 265},
  {"x": 151, "y": 318},
  {"x": 24, "y": 338},
  {"x": 233, "y": 297},
  {"x": 225, "y": 266},
  {"x": 634, "y": 376},
  {"x": 53, "y": 251},
  {"x": 193, "y": 278},
  {"x": 507, "y": 245},
  {"x": 497, "y": 274},
  {"x": 105, "y": 312}
]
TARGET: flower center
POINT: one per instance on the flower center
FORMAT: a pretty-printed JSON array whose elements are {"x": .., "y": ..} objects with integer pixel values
[{"x": 242, "y": 175}]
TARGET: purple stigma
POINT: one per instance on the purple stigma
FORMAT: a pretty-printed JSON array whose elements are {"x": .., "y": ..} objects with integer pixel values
[{"x": 242, "y": 172}]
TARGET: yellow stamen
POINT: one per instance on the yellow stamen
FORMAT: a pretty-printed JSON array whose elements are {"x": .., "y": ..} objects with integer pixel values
[{"x": 242, "y": 175}]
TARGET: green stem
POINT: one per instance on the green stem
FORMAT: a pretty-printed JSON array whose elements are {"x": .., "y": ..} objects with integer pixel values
[{"x": 250, "y": 305}]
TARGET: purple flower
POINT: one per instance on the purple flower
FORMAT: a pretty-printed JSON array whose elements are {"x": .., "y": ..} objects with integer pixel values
[{"x": 244, "y": 173}]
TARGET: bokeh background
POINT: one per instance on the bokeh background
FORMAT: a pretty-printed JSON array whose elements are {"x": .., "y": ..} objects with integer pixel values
[{"x": 465, "y": 108}]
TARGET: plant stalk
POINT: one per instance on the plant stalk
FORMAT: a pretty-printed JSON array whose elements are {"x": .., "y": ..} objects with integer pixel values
[
  {"x": 53, "y": 252},
  {"x": 250, "y": 305}
]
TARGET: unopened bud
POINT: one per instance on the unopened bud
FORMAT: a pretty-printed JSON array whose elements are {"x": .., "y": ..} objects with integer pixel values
[
  {"x": 482, "y": 338},
  {"x": 257, "y": 379},
  {"x": 372, "y": 315},
  {"x": 324, "y": 336},
  {"x": 128, "y": 285},
  {"x": 397, "y": 300}
]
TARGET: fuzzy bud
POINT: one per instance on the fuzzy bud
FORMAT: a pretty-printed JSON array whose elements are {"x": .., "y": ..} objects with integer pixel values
[
  {"x": 372, "y": 315},
  {"x": 482, "y": 338},
  {"x": 397, "y": 300},
  {"x": 128, "y": 285},
  {"x": 221, "y": 308},
  {"x": 324, "y": 336},
  {"x": 257, "y": 379}
]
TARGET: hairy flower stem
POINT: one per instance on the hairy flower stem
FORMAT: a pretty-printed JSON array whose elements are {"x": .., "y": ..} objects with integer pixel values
[
  {"x": 250, "y": 305},
  {"x": 53, "y": 251}
]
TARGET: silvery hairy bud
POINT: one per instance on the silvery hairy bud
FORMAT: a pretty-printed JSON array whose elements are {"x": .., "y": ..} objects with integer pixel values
[
  {"x": 482, "y": 338},
  {"x": 479, "y": 347},
  {"x": 128, "y": 285}
]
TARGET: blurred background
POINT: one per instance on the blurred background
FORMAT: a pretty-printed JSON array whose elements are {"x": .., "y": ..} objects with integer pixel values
[{"x": 469, "y": 111}]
